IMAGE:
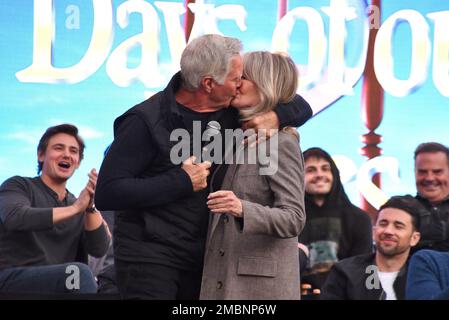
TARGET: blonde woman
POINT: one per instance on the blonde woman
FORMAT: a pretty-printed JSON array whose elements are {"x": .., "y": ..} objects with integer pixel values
[{"x": 255, "y": 218}]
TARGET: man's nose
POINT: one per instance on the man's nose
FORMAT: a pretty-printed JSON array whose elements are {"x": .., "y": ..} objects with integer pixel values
[
  {"x": 319, "y": 174},
  {"x": 429, "y": 177},
  {"x": 239, "y": 82},
  {"x": 66, "y": 153},
  {"x": 389, "y": 229},
  {"x": 316, "y": 178}
]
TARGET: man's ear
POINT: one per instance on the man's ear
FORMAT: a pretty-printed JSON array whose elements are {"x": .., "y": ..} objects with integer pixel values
[
  {"x": 207, "y": 83},
  {"x": 416, "y": 236},
  {"x": 40, "y": 156}
]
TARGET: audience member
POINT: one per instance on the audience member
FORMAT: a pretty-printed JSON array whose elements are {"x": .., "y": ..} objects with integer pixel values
[
  {"x": 335, "y": 229},
  {"x": 432, "y": 183},
  {"x": 45, "y": 232},
  {"x": 428, "y": 276},
  {"x": 381, "y": 275}
]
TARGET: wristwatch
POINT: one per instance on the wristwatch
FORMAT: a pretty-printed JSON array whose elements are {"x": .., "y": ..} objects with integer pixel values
[{"x": 91, "y": 209}]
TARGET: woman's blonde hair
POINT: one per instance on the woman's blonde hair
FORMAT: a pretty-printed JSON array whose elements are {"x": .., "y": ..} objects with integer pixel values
[{"x": 276, "y": 78}]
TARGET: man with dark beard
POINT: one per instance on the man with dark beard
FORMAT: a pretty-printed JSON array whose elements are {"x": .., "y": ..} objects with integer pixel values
[{"x": 382, "y": 275}]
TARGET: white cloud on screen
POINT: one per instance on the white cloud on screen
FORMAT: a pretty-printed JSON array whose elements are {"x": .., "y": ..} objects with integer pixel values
[
  {"x": 30, "y": 137},
  {"x": 257, "y": 45},
  {"x": 89, "y": 133},
  {"x": 47, "y": 100},
  {"x": 86, "y": 132}
]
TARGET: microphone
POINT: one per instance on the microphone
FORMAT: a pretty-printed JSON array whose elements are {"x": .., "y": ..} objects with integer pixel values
[{"x": 212, "y": 130}]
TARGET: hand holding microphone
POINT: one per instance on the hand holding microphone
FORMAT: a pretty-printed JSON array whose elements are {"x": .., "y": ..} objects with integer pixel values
[
  {"x": 197, "y": 172},
  {"x": 212, "y": 131}
]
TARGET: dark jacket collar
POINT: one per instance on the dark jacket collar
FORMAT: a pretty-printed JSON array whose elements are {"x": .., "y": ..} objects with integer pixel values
[
  {"x": 399, "y": 283},
  {"x": 169, "y": 107},
  {"x": 427, "y": 203},
  {"x": 169, "y": 95},
  {"x": 170, "y": 110}
]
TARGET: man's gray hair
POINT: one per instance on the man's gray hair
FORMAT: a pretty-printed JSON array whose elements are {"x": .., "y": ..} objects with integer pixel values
[{"x": 208, "y": 55}]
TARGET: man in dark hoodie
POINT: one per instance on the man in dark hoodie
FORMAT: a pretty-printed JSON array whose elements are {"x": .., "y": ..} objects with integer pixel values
[
  {"x": 381, "y": 275},
  {"x": 335, "y": 229}
]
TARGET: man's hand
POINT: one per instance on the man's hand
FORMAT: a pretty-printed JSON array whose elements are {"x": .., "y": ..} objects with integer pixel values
[
  {"x": 225, "y": 202},
  {"x": 266, "y": 125},
  {"x": 268, "y": 120},
  {"x": 85, "y": 199},
  {"x": 93, "y": 176},
  {"x": 197, "y": 172},
  {"x": 93, "y": 218}
]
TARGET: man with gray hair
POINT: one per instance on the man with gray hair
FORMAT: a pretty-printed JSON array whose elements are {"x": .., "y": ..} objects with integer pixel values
[
  {"x": 432, "y": 184},
  {"x": 162, "y": 215}
]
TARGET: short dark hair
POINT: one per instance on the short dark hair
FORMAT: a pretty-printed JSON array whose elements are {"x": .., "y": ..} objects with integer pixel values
[
  {"x": 316, "y": 153},
  {"x": 66, "y": 128},
  {"x": 432, "y": 147},
  {"x": 408, "y": 204}
]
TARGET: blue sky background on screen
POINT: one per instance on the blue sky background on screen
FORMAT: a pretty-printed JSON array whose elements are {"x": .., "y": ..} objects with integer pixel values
[{"x": 27, "y": 109}]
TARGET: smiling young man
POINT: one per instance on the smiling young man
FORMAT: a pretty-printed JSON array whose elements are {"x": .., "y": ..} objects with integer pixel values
[
  {"x": 335, "y": 229},
  {"x": 45, "y": 232},
  {"x": 382, "y": 275},
  {"x": 432, "y": 183}
]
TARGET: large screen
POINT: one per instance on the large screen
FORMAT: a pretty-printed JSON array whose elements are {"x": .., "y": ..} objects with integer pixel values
[{"x": 87, "y": 62}]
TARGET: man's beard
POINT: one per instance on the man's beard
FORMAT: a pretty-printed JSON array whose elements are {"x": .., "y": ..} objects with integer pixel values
[{"x": 391, "y": 252}]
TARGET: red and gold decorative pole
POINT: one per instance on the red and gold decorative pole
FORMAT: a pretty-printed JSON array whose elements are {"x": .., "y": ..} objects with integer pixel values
[
  {"x": 282, "y": 8},
  {"x": 372, "y": 109},
  {"x": 189, "y": 19}
]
